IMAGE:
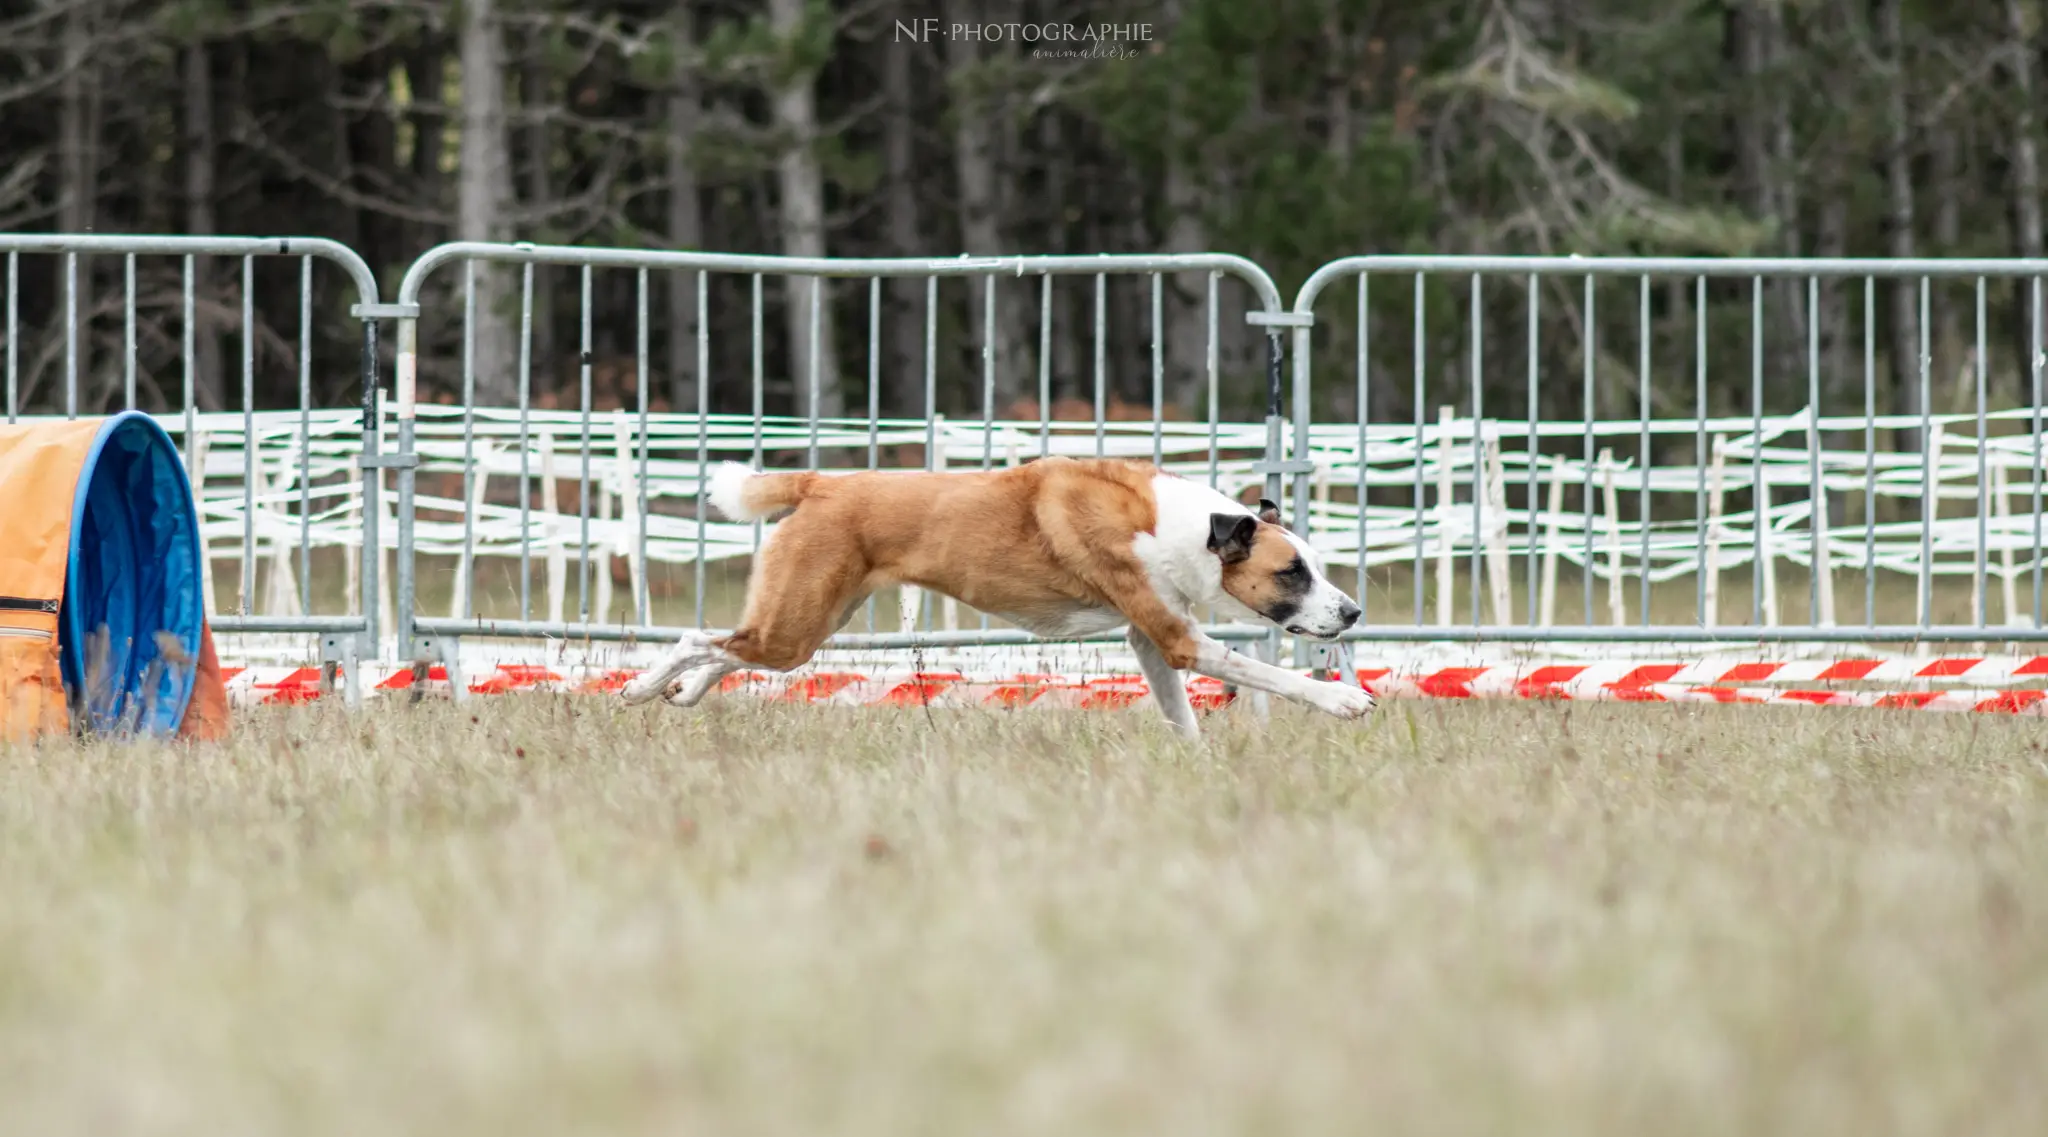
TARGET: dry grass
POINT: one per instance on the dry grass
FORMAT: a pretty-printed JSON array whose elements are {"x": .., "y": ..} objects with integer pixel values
[{"x": 552, "y": 917}]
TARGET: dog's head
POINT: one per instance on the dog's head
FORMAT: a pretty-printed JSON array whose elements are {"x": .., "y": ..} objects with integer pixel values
[{"x": 1277, "y": 574}]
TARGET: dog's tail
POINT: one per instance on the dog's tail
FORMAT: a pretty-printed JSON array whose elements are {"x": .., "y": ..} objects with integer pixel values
[{"x": 743, "y": 494}]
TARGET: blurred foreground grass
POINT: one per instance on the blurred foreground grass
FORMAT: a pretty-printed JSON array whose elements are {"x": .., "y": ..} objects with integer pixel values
[{"x": 551, "y": 916}]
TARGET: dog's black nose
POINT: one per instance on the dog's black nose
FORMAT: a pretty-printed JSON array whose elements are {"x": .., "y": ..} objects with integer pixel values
[{"x": 1348, "y": 613}]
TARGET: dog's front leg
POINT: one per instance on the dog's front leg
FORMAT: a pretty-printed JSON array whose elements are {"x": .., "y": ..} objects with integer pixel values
[
  {"x": 1169, "y": 690},
  {"x": 1217, "y": 661}
]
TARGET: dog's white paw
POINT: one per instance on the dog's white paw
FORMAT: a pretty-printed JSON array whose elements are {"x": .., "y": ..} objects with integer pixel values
[
  {"x": 638, "y": 690},
  {"x": 1344, "y": 701}
]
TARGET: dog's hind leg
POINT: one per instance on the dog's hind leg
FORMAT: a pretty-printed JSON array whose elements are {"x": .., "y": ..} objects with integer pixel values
[
  {"x": 806, "y": 584},
  {"x": 697, "y": 683},
  {"x": 694, "y": 650}
]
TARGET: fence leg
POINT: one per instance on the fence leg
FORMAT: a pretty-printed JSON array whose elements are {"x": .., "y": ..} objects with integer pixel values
[{"x": 450, "y": 651}]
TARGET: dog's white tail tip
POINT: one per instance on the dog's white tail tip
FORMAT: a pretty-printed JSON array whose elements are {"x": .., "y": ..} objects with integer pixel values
[{"x": 728, "y": 490}]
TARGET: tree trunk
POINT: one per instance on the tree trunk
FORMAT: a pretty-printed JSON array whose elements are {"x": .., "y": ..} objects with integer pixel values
[
  {"x": 200, "y": 161},
  {"x": 1186, "y": 303},
  {"x": 1069, "y": 332},
  {"x": 903, "y": 317},
  {"x": 78, "y": 166},
  {"x": 486, "y": 179},
  {"x": 977, "y": 159},
  {"x": 1784, "y": 175},
  {"x": 426, "y": 75},
  {"x": 535, "y": 98},
  {"x": 2026, "y": 189},
  {"x": 1951, "y": 340},
  {"x": 802, "y": 185},
  {"x": 1898, "y": 166},
  {"x": 685, "y": 214},
  {"x": 1752, "y": 160}
]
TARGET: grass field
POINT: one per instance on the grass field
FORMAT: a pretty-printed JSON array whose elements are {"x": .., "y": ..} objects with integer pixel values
[{"x": 557, "y": 916}]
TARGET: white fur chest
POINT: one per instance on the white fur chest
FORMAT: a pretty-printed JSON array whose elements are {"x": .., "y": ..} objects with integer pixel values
[{"x": 1176, "y": 555}]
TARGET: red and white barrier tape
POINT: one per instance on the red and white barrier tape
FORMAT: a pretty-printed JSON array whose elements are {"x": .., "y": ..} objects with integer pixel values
[{"x": 1651, "y": 683}]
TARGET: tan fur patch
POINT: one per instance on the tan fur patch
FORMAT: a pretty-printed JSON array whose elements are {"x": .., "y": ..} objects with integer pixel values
[{"x": 1255, "y": 582}]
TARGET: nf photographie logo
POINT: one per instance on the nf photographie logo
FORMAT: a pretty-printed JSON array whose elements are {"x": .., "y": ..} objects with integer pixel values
[{"x": 1047, "y": 41}]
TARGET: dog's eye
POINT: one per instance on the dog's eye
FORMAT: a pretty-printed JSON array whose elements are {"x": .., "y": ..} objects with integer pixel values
[{"x": 1296, "y": 571}]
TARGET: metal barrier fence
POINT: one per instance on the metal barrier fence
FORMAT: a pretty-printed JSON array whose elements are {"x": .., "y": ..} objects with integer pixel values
[
  {"x": 641, "y": 479},
  {"x": 332, "y": 461},
  {"x": 1799, "y": 490},
  {"x": 1489, "y": 455}
]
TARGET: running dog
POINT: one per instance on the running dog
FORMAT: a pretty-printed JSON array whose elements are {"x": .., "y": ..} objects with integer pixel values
[{"x": 1057, "y": 546}]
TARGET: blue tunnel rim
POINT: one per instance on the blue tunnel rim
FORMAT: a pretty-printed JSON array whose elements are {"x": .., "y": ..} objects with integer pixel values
[{"x": 73, "y": 631}]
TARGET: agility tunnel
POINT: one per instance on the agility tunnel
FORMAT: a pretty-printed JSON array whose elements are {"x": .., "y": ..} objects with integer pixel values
[{"x": 102, "y": 614}]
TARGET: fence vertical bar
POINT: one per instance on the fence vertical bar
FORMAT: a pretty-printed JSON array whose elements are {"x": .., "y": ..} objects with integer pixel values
[
  {"x": 1816, "y": 513},
  {"x": 988, "y": 383},
  {"x": 2034, "y": 367},
  {"x": 1478, "y": 442},
  {"x": 1101, "y": 355},
  {"x": 1870, "y": 451},
  {"x": 1983, "y": 469},
  {"x": 1589, "y": 349},
  {"x": 1045, "y": 366},
  {"x": 1760, "y": 494},
  {"x": 1928, "y": 505},
  {"x": 988, "y": 373},
  {"x": 874, "y": 398},
  {"x": 250, "y": 454},
  {"x": 70, "y": 335},
  {"x": 643, "y": 595},
  {"x": 1214, "y": 354},
  {"x": 583, "y": 475},
  {"x": 703, "y": 427},
  {"x": 14, "y": 336},
  {"x": 1158, "y": 366},
  {"x": 1535, "y": 444},
  {"x": 1364, "y": 431},
  {"x": 406, "y": 612},
  {"x": 816, "y": 367},
  {"x": 372, "y": 504},
  {"x": 128, "y": 332},
  {"x": 874, "y": 373},
  {"x": 306, "y": 435},
  {"x": 526, "y": 442},
  {"x": 760, "y": 387},
  {"x": 187, "y": 354},
  {"x": 1421, "y": 365},
  {"x": 1643, "y": 418},
  {"x": 466, "y": 582},
  {"x": 931, "y": 418},
  {"x": 1699, "y": 446}
]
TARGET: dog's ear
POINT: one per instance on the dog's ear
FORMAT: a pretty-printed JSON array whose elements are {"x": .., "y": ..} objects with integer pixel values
[
  {"x": 1268, "y": 512},
  {"x": 1230, "y": 536}
]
